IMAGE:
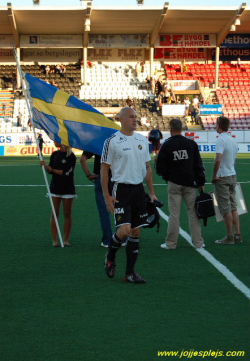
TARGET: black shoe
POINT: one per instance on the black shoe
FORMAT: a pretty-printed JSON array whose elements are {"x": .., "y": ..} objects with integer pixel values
[
  {"x": 134, "y": 278},
  {"x": 109, "y": 268}
]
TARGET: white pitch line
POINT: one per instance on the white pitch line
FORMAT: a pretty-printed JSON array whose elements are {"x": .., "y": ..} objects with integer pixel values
[
  {"x": 40, "y": 185},
  {"x": 219, "y": 266},
  {"x": 163, "y": 184},
  {"x": 84, "y": 185}
]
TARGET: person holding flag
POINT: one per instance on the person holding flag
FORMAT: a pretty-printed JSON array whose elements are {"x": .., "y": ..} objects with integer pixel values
[{"x": 61, "y": 167}]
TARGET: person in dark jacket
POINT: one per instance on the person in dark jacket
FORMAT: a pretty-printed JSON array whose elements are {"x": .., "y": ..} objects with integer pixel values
[
  {"x": 155, "y": 136},
  {"x": 95, "y": 178},
  {"x": 40, "y": 143},
  {"x": 61, "y": 166},
  {"x": 180, "y": 165}
]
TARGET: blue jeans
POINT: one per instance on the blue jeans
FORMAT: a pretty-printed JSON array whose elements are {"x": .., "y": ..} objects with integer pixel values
[{"x": 103, "y": 213}]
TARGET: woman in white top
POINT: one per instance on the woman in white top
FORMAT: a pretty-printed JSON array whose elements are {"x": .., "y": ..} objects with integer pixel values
[{"x": 187, "y": 104}]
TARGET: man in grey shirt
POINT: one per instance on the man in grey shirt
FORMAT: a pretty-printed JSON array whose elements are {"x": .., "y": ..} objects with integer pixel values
[{"x": 224, "y": 180}]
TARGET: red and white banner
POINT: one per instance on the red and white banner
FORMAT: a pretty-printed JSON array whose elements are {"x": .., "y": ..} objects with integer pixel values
[
  {"x": 183, "y": 84},
  {"x": 186, "y": 40},
  {"x": 177, "y": 54}
]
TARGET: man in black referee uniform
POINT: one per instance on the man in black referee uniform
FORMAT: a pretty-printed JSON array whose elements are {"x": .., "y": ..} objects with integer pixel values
[
  {"x": 180, "y": 165},
  {"x": 126, "y": 153}
]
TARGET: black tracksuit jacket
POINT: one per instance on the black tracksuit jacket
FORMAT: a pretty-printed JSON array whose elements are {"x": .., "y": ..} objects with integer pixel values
[{"x": 179, "y": 161}]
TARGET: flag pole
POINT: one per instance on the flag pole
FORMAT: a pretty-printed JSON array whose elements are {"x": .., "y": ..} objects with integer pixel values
[{"x": 28, "y": 102}]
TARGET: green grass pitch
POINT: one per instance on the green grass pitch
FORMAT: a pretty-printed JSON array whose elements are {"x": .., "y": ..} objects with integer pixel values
[{"x": 58, "y": 304}]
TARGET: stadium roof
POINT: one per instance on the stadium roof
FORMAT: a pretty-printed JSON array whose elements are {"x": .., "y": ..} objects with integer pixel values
[{"x": 39, "y": 20}]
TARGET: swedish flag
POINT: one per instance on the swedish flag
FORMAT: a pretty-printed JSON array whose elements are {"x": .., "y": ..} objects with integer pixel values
[{"x": 66, "y": 119}]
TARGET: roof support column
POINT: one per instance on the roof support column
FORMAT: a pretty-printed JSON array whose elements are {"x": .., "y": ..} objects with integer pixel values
[
  {"x": 151, "y": 58},
  {"x": 18, "y": 79},
  {"x": 217, "y": 59},
  {"x": 85, "y": 55}
]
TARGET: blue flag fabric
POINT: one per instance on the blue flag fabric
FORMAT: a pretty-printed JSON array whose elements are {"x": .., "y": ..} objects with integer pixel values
[{"x": 66, "y": 119}]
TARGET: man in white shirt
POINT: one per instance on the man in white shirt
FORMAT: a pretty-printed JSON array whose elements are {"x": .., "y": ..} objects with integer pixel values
[
  {"x": 126, "y": 153},
  {"x": 144, "y": 121},
  {"x": 224, "y": 180},
  {"x": 195, "y": 101}
]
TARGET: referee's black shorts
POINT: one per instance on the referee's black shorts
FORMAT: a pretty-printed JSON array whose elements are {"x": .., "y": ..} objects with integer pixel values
[{"x": 131, "y": 208}]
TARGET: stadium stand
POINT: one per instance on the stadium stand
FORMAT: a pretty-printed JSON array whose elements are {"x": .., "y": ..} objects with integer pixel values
[
  {"x": 106, "y": 84},
  {"x": 234, "y": 92},
  {"x": 110, "y": 84}
]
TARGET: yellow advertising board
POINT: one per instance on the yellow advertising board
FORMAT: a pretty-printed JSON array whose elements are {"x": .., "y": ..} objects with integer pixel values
[{"x": 31, "y": 150}]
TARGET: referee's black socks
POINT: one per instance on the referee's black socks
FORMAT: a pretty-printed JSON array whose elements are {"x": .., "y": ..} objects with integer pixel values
[{"x": 132, "y": 251}]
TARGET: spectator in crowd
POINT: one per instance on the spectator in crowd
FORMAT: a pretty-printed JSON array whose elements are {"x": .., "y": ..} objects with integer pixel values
[
  {"x": 3, "y": 109},
  {"x": 52, "y": 69},
  {"x": 63, "y": 68},
  {"x": 209, "y": 100},
  {"x": 177, "y": 99},
  {"x": 137, "y": 69},
  {"x": 40, "y": 143},
  {"x": 195, "y": 100},
  {"x": 159, "y": 86},
  {"x": 142, "y": 63},
  {"x": 238, "y": 62},
  {"x": 152, "y": 85},
  {"x": 29, "y": 124},
  {"x": 47, "y": 69},
  {"x": 167, "y": 94},
  {"x": 155, "y": 136},
  {"x": 58, "y": 68},
  {"x": 19, "y": 118},
  {"x": 148, "y": 81},
  {"x": 197, "y": 115},
  {"x": 224, "y": 181},
  {"x": 187, "y": 105},
  {"x": 89, "y": 64},
  {"x": 180, "y": 165},
  {"x": 61, "y": 166},
  {"x": 54, "y": 83},
  {"x": 161, "y": 99},
  {"x": 155, "y": 76},
  {"x": 129, "y": 102},
  {"x": 171, "y": 99},
  {"x": 126, "y": 154},
  {"x": 192, "y": 113},
  {"x": 183, "y": 66},
  {"x": 101, "y": 206},
  {"x": 144, "y": 121}
]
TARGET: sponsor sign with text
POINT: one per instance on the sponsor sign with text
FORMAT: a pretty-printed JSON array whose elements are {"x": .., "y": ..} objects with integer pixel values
[
  {"x": 51, "y": 41},
  {"x": 6, "y": 41},
  {"x": 184, "y": 84},
  {"x": 186, "y": 41},
  {"x": 118, "y": 41},
  {"x": 210, "y": 109},
  {"x": 6, "y": 55},
  {"x": 236, "y": 41},
  {"x": 232, "y": 54},
  {"x": 177, "y": 54},
  {"x": 115, "y": 54},
  {"x": 51, "y": 54}
]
